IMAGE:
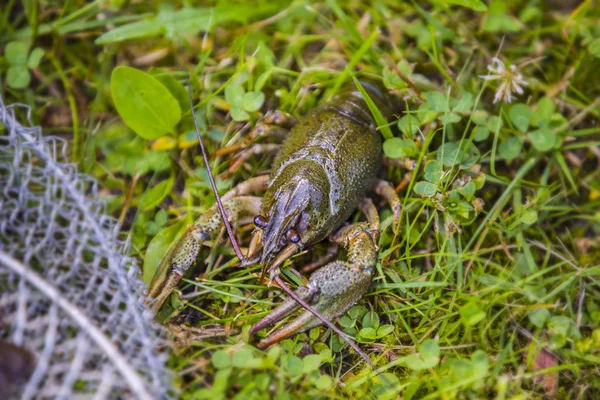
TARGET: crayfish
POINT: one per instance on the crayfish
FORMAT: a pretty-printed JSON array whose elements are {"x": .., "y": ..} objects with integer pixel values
[{"x": 325, "y": 168}]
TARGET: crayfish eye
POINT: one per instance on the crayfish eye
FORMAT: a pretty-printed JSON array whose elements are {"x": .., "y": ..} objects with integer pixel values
[
  {"x": 260, "y": 221},
  {"x": 292, "y": 236}
]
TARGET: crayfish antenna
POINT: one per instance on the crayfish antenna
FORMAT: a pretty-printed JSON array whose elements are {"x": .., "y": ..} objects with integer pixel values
[
  {"x": 234, "y": 242},
  {"x": 238, "y": 252}
]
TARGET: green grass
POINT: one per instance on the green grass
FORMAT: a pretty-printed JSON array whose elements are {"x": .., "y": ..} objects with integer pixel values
[{"x": 490, "y": 288}]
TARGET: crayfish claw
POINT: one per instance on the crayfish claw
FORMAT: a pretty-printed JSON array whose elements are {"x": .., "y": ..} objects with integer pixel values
[{"x": 331, "y": 290}]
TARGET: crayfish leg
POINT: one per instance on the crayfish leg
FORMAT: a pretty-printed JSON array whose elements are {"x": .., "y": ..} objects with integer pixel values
[
  {"x": 252, "y": 151},
  {"x": 387, "y": 191}
]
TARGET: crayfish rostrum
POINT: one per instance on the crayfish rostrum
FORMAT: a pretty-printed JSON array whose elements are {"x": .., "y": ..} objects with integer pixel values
[{"x": 321, "y": 175}]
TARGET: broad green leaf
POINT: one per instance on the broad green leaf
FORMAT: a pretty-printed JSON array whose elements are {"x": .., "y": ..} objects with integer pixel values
[
  {"x": 191, "y": 21},
  {"x": 176, "y": 88},
  {"x": 150, "y": 161},
  {"x": 479, "y": 117},
  {"x": 476, "y": 5},
  {"x": 468, "y": 190},
  {"x": 346, "y": 321},
  {"x": 529, "y": 13},
  {"x": 158, "y": 248},
  {"x": 471, "y": 156},
  {"x": 520, "y": 116},
  {"x": 33, "y": 61},
  {"x": 510, "y": 148},
  {"x": 399, "y": 148},
  {"x": 371, "y": 320},
  {"x": 430, "y": 352},
  {"x": 465, "y": 103},
  {"x": 234, "y": 94},
  {"x": 425, "y": 113},
  {"x": 437, "y": 101},
  {"x": 253, "y": 101},
  {"x": 238, "y": 114},
  {"x": 391, "y": 80},
  {"x": 18, "y": 76},
  {"x": 409, "y": 124},
  {"x": 155, "y": 195},
  {"x": 471, "y": 314},
  {"x": 440, "y": 29},
  {"x": 481, "y": 133},
  {"x": 559, "y": 325},
  {"x": 557, "y": 342},
  {"x": 428, "y": 357},
  {"x": 480, "y": 363},
  {"x": 311, "y": 362},
  {"x": 187, "y": 21},
  {"x": 425, "y": 189},
  {"x": 459, "y": 368},
  {"x": 144, "y": 103},
  {"x": 236, "y": 294},
  {"x": 34, "y": 58},
  {"x": 134, "y": 30},
  {"x": 494, "y": 123},
  {"x": 274, "y": 353},
  {"x": 161, "y": 217},
  {"x": 151, "y": 227},
  {"x": 458, "y": 207},
  {"x": 368, "y": 333},
  {"x": 499, "y": 20},
  {"x": 433, "y": 171},
  {"x": 357, "y": 312},
  {"x": 242, "y": 357},
  {"x": 265, "y": 55},
  {"x": 244, "y": 11},
  {"x": 385, "y": 387},
  {"x": 323, "y": 382},
  {"x": 545, "y": 109},
  {"x": 384, "y": 330},
  {"x": 543, "y": 139},
  {"x": 221, "y": 359},
  {"x": 15, "y": 53},
  {"x": 538, "y": 317},
  {"x": 450, "y": 118},
  {"x": 529, "y": 217},
  {"x": 450, "y": 154},
  {"x": 479, "y": 181},
  {"x": 294, "y": 366},
  {"x": 452, "y": 201},
  {"x": 263, "y": 78},
  {"x": 240, "y": 78},
  {"x": 219, "y": 382},
  {"x": 594, "y": 47}
]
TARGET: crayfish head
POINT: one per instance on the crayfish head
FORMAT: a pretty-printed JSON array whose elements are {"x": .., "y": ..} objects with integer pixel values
[
  {"x": 292, "y": 215},
  {"x": 286, "y": 224}
]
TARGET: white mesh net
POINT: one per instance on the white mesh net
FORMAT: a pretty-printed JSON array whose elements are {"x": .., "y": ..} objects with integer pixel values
[{"x": 67, "y": 292}]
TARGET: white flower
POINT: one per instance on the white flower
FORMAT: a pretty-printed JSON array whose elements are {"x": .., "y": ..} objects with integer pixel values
[{"x": 510, "y": 80}]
